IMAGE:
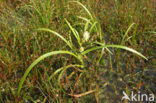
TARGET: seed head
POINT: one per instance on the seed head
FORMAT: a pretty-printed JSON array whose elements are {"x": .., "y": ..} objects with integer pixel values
[{"x": 86, "y": 35}]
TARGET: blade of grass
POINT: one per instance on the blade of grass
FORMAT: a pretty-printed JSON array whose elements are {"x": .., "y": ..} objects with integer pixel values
[
  {"x": 129, "y": 28},
  {"x": 57, "y": 34},
  {"x": 63, "y": 68},
  {"x": 37, "y": 61},
  {"x": 75, "y": 34},
  {"x": 86, "y": 25},
  {"x": 105, "y": 47},
  {"x": 85, "y": 19},
  {"x": 123, "y": 41},
  {"x": 114, "y": 46},
  {"x": 90, "y": 30},
  {"x": 84, "y": 8}
]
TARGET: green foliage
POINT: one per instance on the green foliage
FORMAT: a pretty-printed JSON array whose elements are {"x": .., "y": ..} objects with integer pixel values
[{"x": 79, "y": 61}]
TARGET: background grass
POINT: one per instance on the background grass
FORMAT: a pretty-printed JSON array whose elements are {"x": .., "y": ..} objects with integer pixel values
[{"x": 21, "y": 44}]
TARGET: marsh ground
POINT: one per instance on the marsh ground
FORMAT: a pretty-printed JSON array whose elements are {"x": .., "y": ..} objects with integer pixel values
[{"x": 104, "y": 79}]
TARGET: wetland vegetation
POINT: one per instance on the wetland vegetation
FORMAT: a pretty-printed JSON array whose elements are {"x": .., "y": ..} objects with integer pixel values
[{"x": 83, "y": 51}]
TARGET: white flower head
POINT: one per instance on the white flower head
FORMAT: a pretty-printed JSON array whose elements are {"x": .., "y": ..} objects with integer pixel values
[
  {"x": 86, "y": 35},
  {"x": 81, "y": 49}
]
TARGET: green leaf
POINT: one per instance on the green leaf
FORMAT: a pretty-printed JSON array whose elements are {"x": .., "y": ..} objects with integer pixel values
[
  {"x": 114, "y": 46},
  {"x": 37, "y": 61},
  {"x": 57, "y": 34},
  {"x": 94, "y": 25},
  {"x": 129, "y": 28},
  {"x": 86, "y": 25},
  {"x": 84, "y": 8},
  {"x": 74, "y": 32},
  {"x": 63, "y": 68}
]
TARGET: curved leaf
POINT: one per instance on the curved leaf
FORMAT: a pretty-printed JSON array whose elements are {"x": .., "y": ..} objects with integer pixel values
[
  {"x": 37, "y": 61},
  {"x": 84, "y": 8},
  {"x": 114, "y": 46},
  {"x": 57, "y": 34},
  {"x": 63, "y": 68}
]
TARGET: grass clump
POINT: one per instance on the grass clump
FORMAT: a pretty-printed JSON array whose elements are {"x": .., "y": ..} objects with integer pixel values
[{"x": 71, "y": 55}]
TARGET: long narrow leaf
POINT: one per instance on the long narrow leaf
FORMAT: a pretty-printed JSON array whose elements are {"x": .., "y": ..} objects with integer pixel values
[
  {"x": 84, "y": 8},
  {"x": 86, "y": 25},
  {"x": 37, "y": 61},
  {"x": 94, "y": 25},
  {"x": 72, "y": 29},
  {"x": 129, "y": 28},
  {"x": 63, "y": 68},
  {"x": 104, "y": 47},
  {"x": 57, "y": 34},
  {"x": 74, "y": 32},
  {"x": 114, "y": 46}
]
